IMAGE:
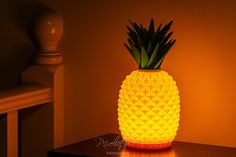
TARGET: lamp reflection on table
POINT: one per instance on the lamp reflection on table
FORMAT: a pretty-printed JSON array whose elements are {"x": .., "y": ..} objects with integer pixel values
[{"x": 128, "y": 152}]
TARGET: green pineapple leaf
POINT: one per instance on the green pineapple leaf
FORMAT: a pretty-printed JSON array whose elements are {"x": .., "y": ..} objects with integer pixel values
[
  {"x": 164, "y": 30},
  {"x": 141, "y": 26},
  {"x": 137, "y": 55},
  {"x": 156, "y": 35},
  {"x": 163, "y": 42},
  {"x": 131, "y": 43},
  {"x": 149, "y": 46},
  {"x": 154, "y": 54},
  {"x": 145, "y": 38},
  {"x": 136, "y": 28},
  {"x": 163, "y": 53},
  {"x": 158, "y": 29},
  {"x": 157, "y": 66},
  {"x": 131, "y": 52},
  {"x": 140, "y": 42},
  {"x": 144, "y": 57},
  {"x": 132, "y": 36},
  {"x": 151, "y": 27}
]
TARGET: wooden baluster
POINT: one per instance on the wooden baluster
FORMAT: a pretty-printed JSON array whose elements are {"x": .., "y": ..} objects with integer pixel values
[{"x": 12, "y": 134}]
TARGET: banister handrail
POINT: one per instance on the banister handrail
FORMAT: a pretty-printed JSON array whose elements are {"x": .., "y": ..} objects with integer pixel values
[{"x": 24, "y": 96}]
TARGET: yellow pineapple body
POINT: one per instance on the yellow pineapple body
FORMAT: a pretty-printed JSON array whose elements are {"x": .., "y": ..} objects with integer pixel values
[{"x": 148, "y": 108}]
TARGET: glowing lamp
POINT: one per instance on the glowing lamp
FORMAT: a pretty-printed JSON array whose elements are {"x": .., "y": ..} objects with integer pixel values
[
  {"x": 148, "y": 105},
  {"x": 148, "y": 109}
]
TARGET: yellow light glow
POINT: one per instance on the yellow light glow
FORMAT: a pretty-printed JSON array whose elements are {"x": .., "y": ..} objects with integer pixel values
[{"x": 148, "y": 109}]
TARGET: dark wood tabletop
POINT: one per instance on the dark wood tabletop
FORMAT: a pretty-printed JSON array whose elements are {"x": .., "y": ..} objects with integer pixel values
[{"x": 113, "y": 145}]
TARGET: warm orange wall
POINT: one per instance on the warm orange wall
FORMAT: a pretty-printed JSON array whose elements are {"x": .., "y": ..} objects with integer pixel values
[{"x": 202, "y": 61}]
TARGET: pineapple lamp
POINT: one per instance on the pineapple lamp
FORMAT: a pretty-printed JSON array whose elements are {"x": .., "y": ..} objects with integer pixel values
[
  {"x": 148, "y": 105},
  {"x": 46, "y": 31}
]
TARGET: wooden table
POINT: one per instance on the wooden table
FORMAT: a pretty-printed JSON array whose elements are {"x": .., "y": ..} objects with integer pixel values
[{"x": 113, "y": 145}]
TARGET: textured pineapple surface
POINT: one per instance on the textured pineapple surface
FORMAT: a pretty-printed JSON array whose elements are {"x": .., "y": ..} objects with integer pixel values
[{"x": 148, "y": 107}]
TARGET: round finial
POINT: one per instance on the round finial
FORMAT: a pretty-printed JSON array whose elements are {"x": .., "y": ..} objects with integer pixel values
[{"x": 46, "y": 30}]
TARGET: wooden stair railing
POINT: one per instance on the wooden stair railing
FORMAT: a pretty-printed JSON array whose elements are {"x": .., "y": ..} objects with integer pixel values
[
  {"x": 47, "y": 75},
  {"x": 24, "y": 96},
  {"x": 13, "y": 100}
]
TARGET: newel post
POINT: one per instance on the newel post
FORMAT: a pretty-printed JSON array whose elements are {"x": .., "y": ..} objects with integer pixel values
[{"x": 46, "y": 29}]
